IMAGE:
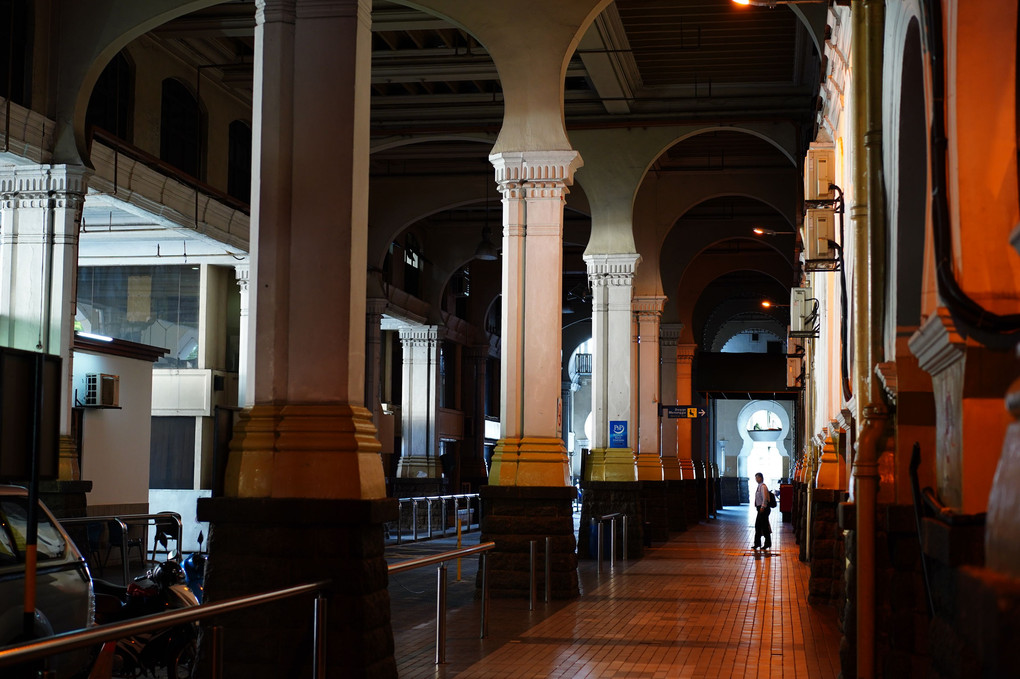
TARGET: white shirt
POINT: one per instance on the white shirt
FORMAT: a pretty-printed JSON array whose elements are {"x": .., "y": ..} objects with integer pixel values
[{"x": 759, "y": 495}]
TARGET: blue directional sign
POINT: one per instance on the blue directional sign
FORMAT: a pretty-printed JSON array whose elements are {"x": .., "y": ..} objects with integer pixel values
[
  {"x": 681, "y": 412},
  {"x": 617, "y": 433}
]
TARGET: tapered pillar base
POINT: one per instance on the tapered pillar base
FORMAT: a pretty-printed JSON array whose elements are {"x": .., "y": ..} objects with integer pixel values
[
  {"x": 530, "y": 461},
  {"x": 649, "y": 467},
  {"x": 321, "y": 451},
  {"x": 617, "y": 464}
]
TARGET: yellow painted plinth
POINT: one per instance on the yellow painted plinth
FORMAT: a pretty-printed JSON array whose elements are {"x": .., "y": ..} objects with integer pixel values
[
  {"x": 530, "y": 461},
  {"x": 67, "y": 462},
  {"x": 828, "y": 467},
  {"x": 308, "y": 451},
  {"x": 619, "y": 465},
  {"x": 649, "y": 467},
  {"x": 686, "y": 468}
]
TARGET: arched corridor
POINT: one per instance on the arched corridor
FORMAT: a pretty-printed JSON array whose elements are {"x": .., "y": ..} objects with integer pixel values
[{"x": 700, "y": 605}]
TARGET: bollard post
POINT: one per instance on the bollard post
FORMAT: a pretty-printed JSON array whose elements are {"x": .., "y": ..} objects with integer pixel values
[
  {"x": 548, "y": 569},
  {"x": 624, "y": 537},
  {"x": 216, "y": 650},
  {"x": 458, "y": 547},
  {"x": 485, "y": 595},
  {"x": 598, "y": 546},
  {"x": 441, "y": 614},
  {"x": 531, "y": 575},
  {"x": 319, "y": 637},
  {"x": 428, "y": 516},
  {"x": 414, "y": 519},
  {"x": 612, "y": 543},
  {"x": 442, "y": 514}
]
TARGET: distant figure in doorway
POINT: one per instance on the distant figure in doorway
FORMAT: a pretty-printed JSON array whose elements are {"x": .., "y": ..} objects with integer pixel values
[{"x": 761, "y": 519}]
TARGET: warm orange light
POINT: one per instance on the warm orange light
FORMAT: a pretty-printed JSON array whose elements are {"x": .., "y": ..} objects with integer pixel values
[
  {"x": 758, "y": 230},
  {"x": 742, "y": 2},
  {"x": 765, "y": 303}
]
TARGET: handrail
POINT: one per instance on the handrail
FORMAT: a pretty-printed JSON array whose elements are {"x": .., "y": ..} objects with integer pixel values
[
  {"x": 433, "y": 559},
  {"x": 124, "y": 519},
  {"x": 441, "y": 559},
  {"x": 428, "y": 500},
  {"x": 100, "y": 633}
]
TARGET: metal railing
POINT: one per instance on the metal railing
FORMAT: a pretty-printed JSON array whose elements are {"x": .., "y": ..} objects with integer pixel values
[
  {"x": 99, "y": 634},
  {"x": 134, "y": 519},
  {"x": 473, "y": 518},
  {"x": 600, "y": 522},
  {"x": 441, "y": 560}
]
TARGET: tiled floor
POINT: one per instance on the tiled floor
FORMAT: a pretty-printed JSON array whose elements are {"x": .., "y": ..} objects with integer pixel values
[{"x": 701, "y": 605}]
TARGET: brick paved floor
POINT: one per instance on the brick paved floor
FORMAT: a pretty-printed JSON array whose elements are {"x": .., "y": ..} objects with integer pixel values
[{"x": 701, "y": 605}]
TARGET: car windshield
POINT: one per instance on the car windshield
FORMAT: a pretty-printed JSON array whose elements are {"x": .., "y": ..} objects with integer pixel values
[{"x": 14, "y": 518}]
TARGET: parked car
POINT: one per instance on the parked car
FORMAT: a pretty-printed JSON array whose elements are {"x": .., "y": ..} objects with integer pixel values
[{"x": 64, "y": 595}]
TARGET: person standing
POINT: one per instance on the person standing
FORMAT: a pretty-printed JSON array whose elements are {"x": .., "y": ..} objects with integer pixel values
[{"x": 761, "y": 519}]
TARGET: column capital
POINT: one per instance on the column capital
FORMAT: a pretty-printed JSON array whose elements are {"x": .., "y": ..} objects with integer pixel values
[
  {"x": 669, "y": 333},
  {"x": 547, "y": 169},
  {"x": 612, "y": 268},
  {"x": 421, "y": 335},
  {"x": 242, "y": 273},
  {"x": 937, "y": 344},
  {"x": 30, "y": 186},
  {"x": 685, "y": 352},
  {"x": 274, "y": 11},
  {"x": 648, "y": 306},
  {"x": 376, "y": 306}
]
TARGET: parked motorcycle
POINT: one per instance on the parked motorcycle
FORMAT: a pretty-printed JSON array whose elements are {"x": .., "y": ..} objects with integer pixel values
[
  {"x": 173, "y": 649},
  {"x": 194, "y": 571}
]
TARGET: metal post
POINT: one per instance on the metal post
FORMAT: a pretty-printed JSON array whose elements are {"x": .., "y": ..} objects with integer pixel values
[
  {"x": 625, "y": 537},
  {"x": 485, "y": 595},
  {"x": 216, "y": 650},
  {"x": 442, "y": 512},
  {"x": 400, "y": 519},
  {"x": 319, "y": 637},
  {"x": 531, "y": 575},
  {"x": 414, "y": 519},
  {"x": 612, "y": 543},
  {"x": 598, "y": 546},
  {"x": 441, "y": 614},
  {"x": 548, "y": 569},
  {"x": 428, "y": 516}
]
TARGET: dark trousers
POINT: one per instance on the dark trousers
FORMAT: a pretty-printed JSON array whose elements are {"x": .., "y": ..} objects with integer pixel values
[{"x": 762, "y": 527}]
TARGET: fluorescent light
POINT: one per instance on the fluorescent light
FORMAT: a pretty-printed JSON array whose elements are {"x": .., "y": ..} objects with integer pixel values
[{"x": 89, "y": 335}]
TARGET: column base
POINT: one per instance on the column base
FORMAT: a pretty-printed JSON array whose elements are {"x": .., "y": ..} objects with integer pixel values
[
  {"x": 259, "y": 544},
  {"x": 686, "y": 469},
  {"x": 530, "y": 461},
  {"x": 513, "y": 516},
  {"x": 611, "y": 497},
  {"x": 649, "y": 467},
  {"x": 417, "y": 467},
  {"x": 618, "y": 464},
  {"x": 320, "y": 451},
  {"x": 671, "y": 469}
]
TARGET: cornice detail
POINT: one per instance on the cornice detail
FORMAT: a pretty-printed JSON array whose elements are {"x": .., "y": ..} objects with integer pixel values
[
  {"x": 937, "y": 344},
  {"x": 612, "y": 269},
  {"x": 685, "y": 352},
  {"x": 32, "y": 186},
  {"x": 669, "y": 333},
  {"x": 540, "y": 169},
  {"x": 887, "y": 375},
  {"x": 275, "y": 11},
  {"x": 422, "y": 336},
  {"x": 648, "y": 306}
]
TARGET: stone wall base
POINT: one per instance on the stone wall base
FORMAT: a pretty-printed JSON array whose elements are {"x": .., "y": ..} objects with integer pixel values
[
  {"x": 612, "y": 497},
  {"x": 260, "y": 544},
  {"x": 655, "y": 511},
  {"x": 513, "y": 516},
  {"x": 675, "y": 505}
]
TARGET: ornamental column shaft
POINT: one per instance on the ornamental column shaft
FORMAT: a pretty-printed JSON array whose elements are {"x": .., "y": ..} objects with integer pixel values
[
  {"x": 246, "y": 357},
  {"x": 685, "y": 393},
  {"x": 669, "y": 334},
  {"x": 611, "y": 277},
  {"x": 419, "y": 437},
  {"x": 648, "y": 311},
  {"x": 40, "y": 215},
  {"x": 308, "y": 433},
  {"x": 530, "y": 451}
]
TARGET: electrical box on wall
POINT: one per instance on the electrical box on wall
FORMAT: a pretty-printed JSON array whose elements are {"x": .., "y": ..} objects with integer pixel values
[
  {"x": 102, "y": 390},
  {"x": 803, "y": 313},
  {"x": 819, "y": 173}
]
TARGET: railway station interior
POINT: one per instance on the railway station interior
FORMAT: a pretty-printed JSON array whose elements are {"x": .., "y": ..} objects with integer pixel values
[{"x": 302, "y": 259}]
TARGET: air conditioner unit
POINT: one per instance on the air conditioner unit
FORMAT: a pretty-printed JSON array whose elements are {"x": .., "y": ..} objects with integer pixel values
[
  {"x": 819, "y": 229},
  {"x": 803, "y": 313},
  {"x": 794, "y": 372},
  {"x": 819, "y": 174},
  {"x": 102, "y": 389}
]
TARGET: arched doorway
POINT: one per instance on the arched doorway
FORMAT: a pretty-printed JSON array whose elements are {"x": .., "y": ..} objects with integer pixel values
[{"x": 764, "y": 427}]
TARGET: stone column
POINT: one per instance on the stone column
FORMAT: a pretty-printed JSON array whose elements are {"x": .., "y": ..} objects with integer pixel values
[
  {"x": 611, "y": 277},
  {"x": 304, "y": 465},
  {"x": 649, "y": 462},
  {"x": 669, "y": 335},
  {"x": 685, "y": 393},
  {"x": 374, "y": 309},
  {"x": 245, "y": 357},
  {"x": 40, "y": 209},
  {"x": 472, "y": 464},
  {"x": 530, "y": 451},
  {"x": 419, "y": 438}
]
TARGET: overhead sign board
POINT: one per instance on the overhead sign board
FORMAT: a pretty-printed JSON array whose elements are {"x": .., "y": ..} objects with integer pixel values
[{"x": 681, "y": 412}]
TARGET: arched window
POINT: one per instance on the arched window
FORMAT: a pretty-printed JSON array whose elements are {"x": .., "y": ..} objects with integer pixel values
[
  {"x": 15, "y": 45},
  {"x": 110, "y": 105},
  {"x": 179, "y": 128},
  {"x": 239, "y": 161}
]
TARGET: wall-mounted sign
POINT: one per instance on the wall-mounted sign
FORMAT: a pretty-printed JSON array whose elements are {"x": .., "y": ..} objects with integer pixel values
[
  {"x": 617, "y": 433},
  {"x": 681, "y": 412}
]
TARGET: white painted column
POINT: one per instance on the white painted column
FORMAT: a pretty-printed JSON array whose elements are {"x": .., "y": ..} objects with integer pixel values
[
  {"x": 611, "y": 277},
  {"x": 308, "y": 434},
  {"x": 373, "y": 357},
  {"x": 245, "y": 356},
  {"x": 648, "y": 311},
  {"x": 530, "y": 451},
  {"x": 669, "y": 335},
  {"x": 40, "y": 215},
  {"x": 419, "y": 438}
]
